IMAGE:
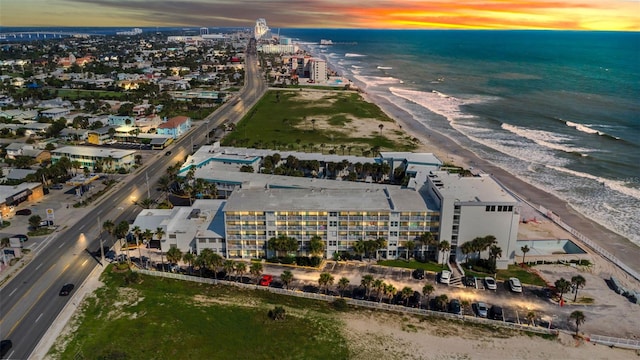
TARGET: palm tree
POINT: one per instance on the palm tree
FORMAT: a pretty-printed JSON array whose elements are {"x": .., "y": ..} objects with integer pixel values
[
  {"x": 174, "y": 255},
  {"x": 343, "y": 283},
  {"x": 427, "y": 290},
  {"x": 316, "y": 245},
  {"x": 108, "y": 226},
  {"x": 137, "y": 232},
  {"x": 189, "y": 258},
  {"x": 379, "y": 285},
  {"x": 406, "y": 294},
  {"x": 313, "y": 124},
  {"x": 325, "y": 280},
  {"x": 240, "y": 269},
  {"x": 256, "y": 270},
  {"x": 390, "y": 290},
  {"x": 286, "y": 277},
  {"x": 358, "y": 248},
  {"x": 579, "y": 318},
  {"x": 525, "y": 249},
  {"x": 531, "y": 318},
  {"x": 562, "y": 286},
  {"x": 578, "y": 282},
  {"x": 159, "y": 234},
  {"x": 410, "y": 245},
  {"x": 426, "y": 239},
  {"x": 228, "y": 267},
  {"x": 381, "y": 126},
  {"x": 366, "y": 282},
  {"x": 495, "y": 252},
  {"x": 466, "y": 249},
  {"x": 443, "y": 247},
  {"x": 381, "y": 243}
]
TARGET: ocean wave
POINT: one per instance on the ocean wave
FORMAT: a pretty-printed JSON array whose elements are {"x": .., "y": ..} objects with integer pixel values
[
  {"x": 384, "y": 67},
  {"x": 617, "y": 185},
  {"x": 589, "y": 130},
  {"x": 370, "y": 81},
  {"x": 356, "y": 67},
  {"x": 353, "y": 55},
  {"x": 547, "y": 139}
]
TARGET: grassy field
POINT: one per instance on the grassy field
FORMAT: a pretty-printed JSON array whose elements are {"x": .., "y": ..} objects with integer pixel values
[
  {"x": 287, "y": 120},
  {"x": 159, "y": 318},
  {"x": 513, "y": 271},
  {"x": 412, "y": 264}
]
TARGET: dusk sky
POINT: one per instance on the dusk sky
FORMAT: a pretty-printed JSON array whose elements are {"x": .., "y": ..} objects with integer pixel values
[{"x": 389, "y": 14}]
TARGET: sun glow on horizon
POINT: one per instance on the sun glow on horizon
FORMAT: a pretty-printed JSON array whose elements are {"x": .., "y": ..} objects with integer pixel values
[{"x": 616, "y": 15}]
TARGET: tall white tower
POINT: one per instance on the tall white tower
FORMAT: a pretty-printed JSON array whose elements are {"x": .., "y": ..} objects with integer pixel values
[{"x": 261, "y": 29}]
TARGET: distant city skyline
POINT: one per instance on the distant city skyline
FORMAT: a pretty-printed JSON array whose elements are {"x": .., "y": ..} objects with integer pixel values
[{"x": 619, "y": 15}]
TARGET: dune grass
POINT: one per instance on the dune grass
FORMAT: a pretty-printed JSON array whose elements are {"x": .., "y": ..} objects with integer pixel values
[
  {"x": 158, "y": 318},
  {"x": 282, "y": 120}
]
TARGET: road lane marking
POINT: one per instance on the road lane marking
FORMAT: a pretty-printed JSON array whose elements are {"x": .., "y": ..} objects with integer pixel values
[
  {"x": 82, "y": 227},
  {"x": 61, "y": 245},
  {"x": 39, "y": 317},
  {"x": 84, "y": 262},
  {"x": 14, "y": 290},
  {"x": 38, "y": 267}
]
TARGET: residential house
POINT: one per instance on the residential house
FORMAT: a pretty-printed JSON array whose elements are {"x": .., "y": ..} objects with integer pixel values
[
  {"x": 175, "y": 126},
  {"x": 87, "y": 156}
]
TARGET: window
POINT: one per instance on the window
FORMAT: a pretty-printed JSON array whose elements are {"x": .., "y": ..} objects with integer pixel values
[
  {"x": 333, "y": 243},
  {"x": 500, "y": 208},
  {"x": 510, "y": 209},
  {"x": 333, "y": 223},
  {"x": 394, "y": 223},
  {"x": 393, "y": 233},
  {"x": 333, "y": 213},
  {"x": 172, "y": 236},
  {"x": 493, "y": 208},
  {"x": 488, "y": 208}
]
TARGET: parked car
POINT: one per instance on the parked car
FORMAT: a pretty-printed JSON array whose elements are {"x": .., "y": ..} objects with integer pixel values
[
  {"x": 418, "y": 274},
  {"x": 455, "y": 307},
  {"x": 490, "y": 283},
  {"x": 22, "y": 237},
  {"x": 44, "y": 223},
  {"x": 266, "y": 280},
  {"x": 480, "y": 309},
  {"x": 515, "y": 285},
  {"x": 495, "y": 313},
  {"x": 5, "y": 346},
  {"x": 167, "y": 153},
  {"x": 57, "y": 187},
  {"x": 66, "y": 289},
  {"x": 469, "y": 281},
  {"x": 110, "y": 255},
  {"x": 445, "y": 277},
  {"x": 25, "y": 212}
]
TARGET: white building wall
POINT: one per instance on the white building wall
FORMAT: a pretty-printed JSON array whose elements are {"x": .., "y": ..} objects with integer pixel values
[
  {"x": 476, "y": 222},
  {"x": 318, "y": 70}
]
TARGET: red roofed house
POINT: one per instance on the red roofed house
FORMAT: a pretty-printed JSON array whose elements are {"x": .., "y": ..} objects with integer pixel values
[{"x": 175, "y": 126}]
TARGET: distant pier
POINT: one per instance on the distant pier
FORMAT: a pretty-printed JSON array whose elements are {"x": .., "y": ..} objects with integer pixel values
[{"x": 36, "y": 35}]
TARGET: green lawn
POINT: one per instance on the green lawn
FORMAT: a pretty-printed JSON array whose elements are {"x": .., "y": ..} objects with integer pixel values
[
  {"x": 169, "y": 319},
  {"x": 412, "y": 264},
  {"x": 513, "y": 271},
  {"x": 290, "y": 123}
]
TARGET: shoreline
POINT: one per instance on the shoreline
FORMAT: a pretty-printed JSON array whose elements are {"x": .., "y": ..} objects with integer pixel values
[{"x": 616, "y": 244}]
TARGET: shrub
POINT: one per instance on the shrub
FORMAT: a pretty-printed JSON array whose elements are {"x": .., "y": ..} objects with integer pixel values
[
  {"x": 278, "y": 313},
  {"x": 340, "y": 304}
]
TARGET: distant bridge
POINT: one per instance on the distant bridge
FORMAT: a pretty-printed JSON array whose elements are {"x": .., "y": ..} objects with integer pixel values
[{"x": 35, "y": 35}]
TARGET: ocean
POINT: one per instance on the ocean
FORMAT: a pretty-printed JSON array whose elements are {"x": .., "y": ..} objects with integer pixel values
[{"x": 558, "y": 109}]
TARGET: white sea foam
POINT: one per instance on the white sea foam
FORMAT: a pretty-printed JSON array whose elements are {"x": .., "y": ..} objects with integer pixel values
[
  {"x": 356, "y": 67},
  {"x": 371, "y": 81},
  {"x": 353, "y": 55},
  {"x": 547, "y": 139},
  {"x": 587, "y": 129},
  {"x": 384, "y": 67},
  {"x": 617, "y": 185}
]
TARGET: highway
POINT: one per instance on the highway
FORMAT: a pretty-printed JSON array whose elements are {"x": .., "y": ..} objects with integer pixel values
[{"x": 29, "y": 302}]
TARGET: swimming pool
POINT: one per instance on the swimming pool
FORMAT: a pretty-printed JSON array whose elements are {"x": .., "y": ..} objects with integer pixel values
[{"x": 549, "y": 247}]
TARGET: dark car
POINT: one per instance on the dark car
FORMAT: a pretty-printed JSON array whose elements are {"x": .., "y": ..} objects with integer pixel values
[
  {"x": 418, "y": 274},
  {"x": 454, "y": 307},
  {"x": 22, "y": 237},
  {"x": 23, "y": 212},
  {"x": 57, "y": 187},
  {"x": 469, "y": 281},
  {"x": 66, "y": 289},
  {"x": 495, "y": 313},
  {"x": 167, "y": 153},
  {"x": 5, "y": 346}
]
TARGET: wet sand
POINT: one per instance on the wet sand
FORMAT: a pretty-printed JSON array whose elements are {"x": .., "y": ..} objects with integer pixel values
[{"x": 619, "y": 246}]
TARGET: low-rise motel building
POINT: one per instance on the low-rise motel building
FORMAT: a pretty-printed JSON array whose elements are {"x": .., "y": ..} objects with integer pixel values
[
  {"x": 88, "y": 156},
  {"x": 259, "y": 207}
]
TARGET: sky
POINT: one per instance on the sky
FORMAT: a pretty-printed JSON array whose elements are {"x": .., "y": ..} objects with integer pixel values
[{"x": 618, "y": 15}]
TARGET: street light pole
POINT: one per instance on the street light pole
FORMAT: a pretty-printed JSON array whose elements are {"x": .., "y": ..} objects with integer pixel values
[
  {"x": 101, "y": 247},
  {"x": 146, "y": 174}
]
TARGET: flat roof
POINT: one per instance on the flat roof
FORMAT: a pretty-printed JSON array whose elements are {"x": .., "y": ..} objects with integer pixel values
[
  {"x": 481, "y": 188},
  {"x": 326, "y": 200},
  {"x": 7, "y": 191},
  {"x": 413, "y": 158},
  {"x": 93, "y": 151}
]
